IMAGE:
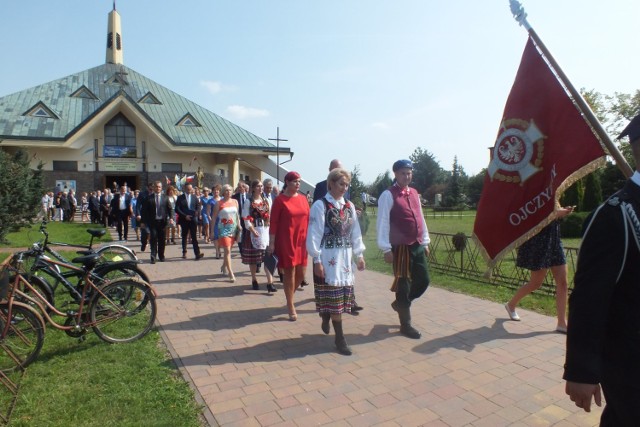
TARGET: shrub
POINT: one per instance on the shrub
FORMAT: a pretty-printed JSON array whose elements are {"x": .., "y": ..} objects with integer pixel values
[
  {"x": 571, "y": 226},
  {"x": 459, "y": 241},
  {"x": 363, "y": 219}
]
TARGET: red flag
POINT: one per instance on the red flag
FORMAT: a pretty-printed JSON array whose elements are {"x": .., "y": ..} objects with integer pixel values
[{"x": 543, "y": 146}]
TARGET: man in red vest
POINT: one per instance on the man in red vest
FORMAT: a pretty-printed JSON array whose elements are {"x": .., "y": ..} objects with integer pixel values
[{"x": 403, "y": 237}]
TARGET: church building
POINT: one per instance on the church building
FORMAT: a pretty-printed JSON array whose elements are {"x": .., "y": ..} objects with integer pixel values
[{"x": 110, "y": 124}]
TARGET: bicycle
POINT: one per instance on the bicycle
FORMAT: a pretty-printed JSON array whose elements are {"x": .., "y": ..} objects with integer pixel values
[
  {"x": 108, "y": 252},
  {"x": 45, "y": 271},
  {"x": 21, "y": 329},
  {"x": 36, "y": 260},
  {"x": 119, "y": 311}
]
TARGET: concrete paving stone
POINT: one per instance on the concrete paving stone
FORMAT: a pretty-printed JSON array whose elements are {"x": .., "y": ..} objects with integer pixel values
[{"x": 251, "y": 366}]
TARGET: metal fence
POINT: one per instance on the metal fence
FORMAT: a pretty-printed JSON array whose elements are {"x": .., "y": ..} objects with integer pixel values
[{"x": 468, "y": 263}]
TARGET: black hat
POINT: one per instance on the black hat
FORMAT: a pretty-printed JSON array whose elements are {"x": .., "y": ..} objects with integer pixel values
[
  {"x": 632, "y": 130},
  {"x": 402, "y": 164}
]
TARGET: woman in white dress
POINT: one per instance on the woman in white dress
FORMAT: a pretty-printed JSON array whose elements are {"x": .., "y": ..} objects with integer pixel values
[{"x": 334, "y": 240}]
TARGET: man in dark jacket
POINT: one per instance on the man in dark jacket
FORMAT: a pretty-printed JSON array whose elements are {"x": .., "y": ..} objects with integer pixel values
[
  {"x": 188, "y": 210},
  {"x": 144, "y": 228},
  {"x": 603, "y": 337},
  {"x": 94, "y": 207},
  {"x": 156, "y": 213},
  {"x": 121, "y": 211}
]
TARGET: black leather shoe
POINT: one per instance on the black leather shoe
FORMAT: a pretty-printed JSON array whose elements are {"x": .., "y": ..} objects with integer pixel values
[
  {"x": 199, "y": 256},
  {"x": 161, "y": 259},
  {"x": 254, "y": 285},
  {"x": 184, "y": 255},
  {"x": 271, "y": 288},
  {"x": 143, "y": 247},
  {"x": 356, "y": 308},
  {"x": 153, "y": 260}
]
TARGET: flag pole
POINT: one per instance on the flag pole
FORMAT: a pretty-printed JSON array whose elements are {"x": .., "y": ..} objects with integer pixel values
[{"x": 520, "y": 15}]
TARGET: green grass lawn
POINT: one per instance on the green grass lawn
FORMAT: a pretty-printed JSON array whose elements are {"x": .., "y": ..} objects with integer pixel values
[{"x": 91, "y": 382}]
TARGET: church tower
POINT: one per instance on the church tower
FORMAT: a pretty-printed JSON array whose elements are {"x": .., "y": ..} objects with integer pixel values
[{"x": 114, "y": 38}]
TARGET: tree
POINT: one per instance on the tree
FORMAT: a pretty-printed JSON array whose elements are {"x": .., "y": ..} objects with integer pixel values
[
  {"x": 357, "y": 187},
  {"x": 453, "y": 193},
  {"x": 21, "y": 190},
  {"x": 573, "y": 195},
  {"x": 474, "y": 187},
  {"x": 381, "y": 183},
  {"x": 592, "y": 192},
  {"x": 426, "y": 170}
]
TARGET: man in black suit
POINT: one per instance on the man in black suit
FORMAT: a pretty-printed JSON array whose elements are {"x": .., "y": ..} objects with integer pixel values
[
  {"x": 321, "y": 188},
  {"x": 188, "y": 210},
  {"x": 156, "y": 213},
  {"x": 144, "y": 228},
  {"x": 603, "y": 337},
  {"x": 121, "y": 211},
  {"x": 94, "y": 207},
  {"x": 241, "y": 197}
]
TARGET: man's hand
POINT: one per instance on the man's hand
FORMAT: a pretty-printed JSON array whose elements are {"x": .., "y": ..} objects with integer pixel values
[
  {"x": 388, "y": 257},
  {"x": 581, "y": 394}
]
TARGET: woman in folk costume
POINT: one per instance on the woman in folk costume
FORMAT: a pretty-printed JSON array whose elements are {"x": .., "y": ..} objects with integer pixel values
[
  {"x": 334, "y": 240},
  {"x": 403, "y": 237},
  {"x": 256, "y": 233}
]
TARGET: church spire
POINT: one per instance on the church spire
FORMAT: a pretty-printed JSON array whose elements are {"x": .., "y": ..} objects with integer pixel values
[{"x": 114, "y": 38}]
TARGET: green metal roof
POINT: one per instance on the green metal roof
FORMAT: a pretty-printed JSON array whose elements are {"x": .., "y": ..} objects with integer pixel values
[{"x": 107, "y": 83}]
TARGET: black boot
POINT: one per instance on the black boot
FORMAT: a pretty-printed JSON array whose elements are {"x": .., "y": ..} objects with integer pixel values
[
  {"x": 341, "y": 343},
  {"x": 326, "y": 327},
  {"x": 404, "y": 313}
]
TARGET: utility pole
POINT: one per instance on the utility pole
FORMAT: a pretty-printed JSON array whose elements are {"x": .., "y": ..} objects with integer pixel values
[{"x": 277, "y": 139}]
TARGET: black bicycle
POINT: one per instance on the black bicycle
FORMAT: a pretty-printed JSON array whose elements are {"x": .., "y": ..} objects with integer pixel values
[{"x": 114, "y": 260}]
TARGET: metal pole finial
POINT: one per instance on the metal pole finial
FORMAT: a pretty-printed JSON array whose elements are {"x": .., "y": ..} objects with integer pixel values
[{"x": 519, "y": 14}]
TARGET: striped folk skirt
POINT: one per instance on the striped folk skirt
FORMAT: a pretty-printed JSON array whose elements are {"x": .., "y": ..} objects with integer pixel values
[
  {"x": 333, "y": 299},
  {"x": 250, "y": 255}
]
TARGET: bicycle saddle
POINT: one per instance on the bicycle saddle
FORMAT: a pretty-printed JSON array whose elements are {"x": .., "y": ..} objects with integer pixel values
[
  {"x": 97, "y": 232},
  {"x": 87, "y": 261}
]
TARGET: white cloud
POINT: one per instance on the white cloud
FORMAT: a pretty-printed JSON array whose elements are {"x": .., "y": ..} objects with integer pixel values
[
  {"x": 241, "y": 112},
  {"x": 380, "y": 125},
  {"x": 215, "y": 87}
]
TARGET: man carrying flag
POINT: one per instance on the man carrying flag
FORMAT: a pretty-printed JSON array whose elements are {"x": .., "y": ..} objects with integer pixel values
[
  {"x": 543, "y": 146},
  {"x": 603, "y": 341}
]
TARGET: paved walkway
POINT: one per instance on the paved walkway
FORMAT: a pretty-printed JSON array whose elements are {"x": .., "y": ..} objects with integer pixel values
[{"x": 250, "y": 366}]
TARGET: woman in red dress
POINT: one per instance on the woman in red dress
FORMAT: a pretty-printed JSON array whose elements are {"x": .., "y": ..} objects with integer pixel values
[{"x": 288, "y": 235}]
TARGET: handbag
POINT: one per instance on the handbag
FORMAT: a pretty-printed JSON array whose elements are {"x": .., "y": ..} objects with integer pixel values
[
  {"x": 270, "y": 262},
  {"x": 261, "y": 241},
  {"x": 238, "y": 234}
]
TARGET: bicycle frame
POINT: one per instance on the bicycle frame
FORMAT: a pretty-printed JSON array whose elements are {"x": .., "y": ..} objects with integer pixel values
[
  {"x": 46, "y": 245},
  {"x": 43, "y": 304}
]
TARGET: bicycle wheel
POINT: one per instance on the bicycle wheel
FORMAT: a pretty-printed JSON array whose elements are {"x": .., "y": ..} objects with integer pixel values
[
  {"x": 123, "y": 310},
  {"x": 24, "y": 337},
  {"x": 111, "y": 253},
  {"x": 113, "y": 272}
]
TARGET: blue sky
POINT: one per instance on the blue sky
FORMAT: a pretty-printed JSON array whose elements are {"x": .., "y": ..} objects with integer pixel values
[{"x": 366, "y": 81}]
